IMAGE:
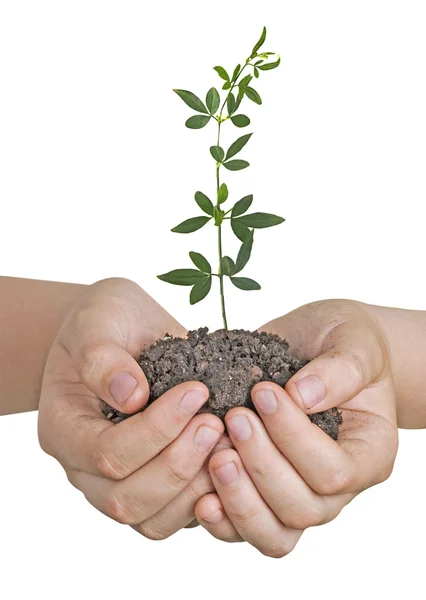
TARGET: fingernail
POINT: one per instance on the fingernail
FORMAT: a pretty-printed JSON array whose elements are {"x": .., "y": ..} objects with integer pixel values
[
  {"x": 228, "y": 474},
  {"x": 191, "y": 402},
  {"x": 205, "y": 438},
  {"x": 121, "y": 387},
  {"x": 312, "y": 390},
  {"x": 215, "y": 517},
  {"x": 240, "y": 427},
  {"x": 265, "y": 401}
]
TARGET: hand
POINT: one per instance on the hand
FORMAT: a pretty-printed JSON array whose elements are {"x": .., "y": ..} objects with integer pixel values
[
  {"x": 285, "y": 473},
  {"x": 149, "y": 470}
]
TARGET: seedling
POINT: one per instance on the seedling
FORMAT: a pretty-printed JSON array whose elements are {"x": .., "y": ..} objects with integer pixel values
[{"x": 242, "y": 224}]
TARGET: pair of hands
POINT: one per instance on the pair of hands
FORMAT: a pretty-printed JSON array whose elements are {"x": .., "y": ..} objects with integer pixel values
[{"x": 272, "y": 478}]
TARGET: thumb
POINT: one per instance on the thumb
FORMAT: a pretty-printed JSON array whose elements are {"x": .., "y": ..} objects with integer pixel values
[
  {"x": 111, "y": 373},
  {"x": 353, "y": 357}
]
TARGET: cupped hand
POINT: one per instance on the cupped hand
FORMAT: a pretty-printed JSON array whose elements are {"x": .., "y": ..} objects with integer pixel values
[
  {"x": 285, "y": 474},
  {"x": 149, "y": 470}
]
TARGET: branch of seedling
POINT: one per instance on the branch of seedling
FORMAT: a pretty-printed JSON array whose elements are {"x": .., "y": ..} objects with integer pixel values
[{"x": 243, "y": 225}]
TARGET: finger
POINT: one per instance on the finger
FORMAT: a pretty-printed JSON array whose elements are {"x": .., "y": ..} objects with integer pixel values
[
  {"x": 211, "y": 515},
  {"x": 353, "y": 358},
  {"x": 278, "y": 482},
  {"x": 115, "y": 451},
  {"x": 180, "y": 512},
  {"x": 252, "y": 518},
  {"x": 106, "y": 333},
  {"x": 152, "y": 487},
  {"x": 359, "y": 459}
]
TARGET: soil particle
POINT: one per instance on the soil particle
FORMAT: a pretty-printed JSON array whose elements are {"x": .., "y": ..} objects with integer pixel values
[{"x": 229, "y": 363}]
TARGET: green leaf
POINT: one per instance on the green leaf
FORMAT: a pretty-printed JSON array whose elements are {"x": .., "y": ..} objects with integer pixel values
[
  {"x": 238, "y": 145},
  {"x": 240, "y": 230},
  {"x": 217, "y": 152},
  {"x": 270, "y": 66},
  {"x": 200, "y": 262},
  {"x": 252, "y": 95},
  {"x": 260, "y": 42},
  {"x": 240, "y": 120},
  {"x": 218, "y": 215},
  {"x": 244, "y": 252},
  {"x": 260, "y": 220},
  {"x": 236, "y": 165},
  {"x": 230, "y": 103},
  {"x": 204, "y": 203},
  {"x": 228, "y": 266},
  {"x": 182, "y": 276},
  {"x": 192, "y": 100},
  {"x": 226, "y": 85},
  {"x": 240, "y": 93},
  {"x": 197, "y": 121},
  {"x": 245, "y": 81},
  {"x": 200, "y": 290},
  {"x": 222, "y": 195},
  {"x": 213, "y": 100},
  {"x": 242, "y": 206},
  {"x": 236, "y": 72},
  {"x": 222, "y": 73},
  {"x": 244, "y": 283},
  {"x": 191, "y": 225},
  {"x": 256, "y": 73},
  {"x": 237, "y": 103},
  {"x": 258, "y": 62}
]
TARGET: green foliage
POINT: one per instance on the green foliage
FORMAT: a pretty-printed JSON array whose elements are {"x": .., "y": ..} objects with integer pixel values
[
  {"x": 197, "y": 121},
  {"x": 204, "y": 203},
  {"x": 191, "y": 225},
  {"x": 200, "y": 290},
  {"x": 240, "y": 120},
  {"x": 260, "y": 220},
  {"x": 237, "y": 145},
  {"x": 236, "y": 165},
  {"x": 218, "y": 153},
  {"x": 200, "y": 262},
  {"x": 237, "y": 87},
  {"x": 182, "y": 276},
  {"x": 213, "y": 100},
  {"x": 242, "y": 206}
]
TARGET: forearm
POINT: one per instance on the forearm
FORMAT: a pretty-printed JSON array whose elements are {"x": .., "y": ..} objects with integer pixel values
[
  {"x": 31, "y": 313},
  {"x": 405, "y": 333}
]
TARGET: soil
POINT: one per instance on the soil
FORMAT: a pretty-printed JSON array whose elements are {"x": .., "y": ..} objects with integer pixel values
[{"x": 229, "y": 363}]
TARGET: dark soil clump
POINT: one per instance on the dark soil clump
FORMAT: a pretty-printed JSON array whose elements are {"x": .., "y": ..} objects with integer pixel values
[{"x": 229, "y": 363}]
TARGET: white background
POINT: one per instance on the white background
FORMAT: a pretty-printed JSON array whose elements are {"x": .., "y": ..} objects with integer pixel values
[{"x": 97, "y": 166}]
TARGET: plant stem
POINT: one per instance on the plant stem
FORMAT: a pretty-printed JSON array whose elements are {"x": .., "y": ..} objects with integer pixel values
[
  {"x": 219, "y": 242},
  {"x": 219, "y": 228}
]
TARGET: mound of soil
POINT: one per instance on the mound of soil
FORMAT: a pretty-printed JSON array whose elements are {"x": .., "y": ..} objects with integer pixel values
[{"x": 229, "y": 363}]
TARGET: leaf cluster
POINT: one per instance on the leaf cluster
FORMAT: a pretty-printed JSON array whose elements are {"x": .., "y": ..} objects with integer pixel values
[{"x": 243, "y": 224}]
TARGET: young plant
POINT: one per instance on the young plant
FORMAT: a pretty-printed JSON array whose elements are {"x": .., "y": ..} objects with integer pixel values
[{"x": 242, "y": 224}]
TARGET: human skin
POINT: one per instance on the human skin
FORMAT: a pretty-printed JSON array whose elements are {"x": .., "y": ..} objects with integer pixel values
[
  {"x": 285, "y": 474},
  {"x": 31, "y": 314},
  {"x": 356, "y": 346},
  {"x": 150, "y": 470}
]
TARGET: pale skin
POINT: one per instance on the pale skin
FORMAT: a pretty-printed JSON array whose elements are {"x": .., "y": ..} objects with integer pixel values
[{"x": 153, "y": 471}]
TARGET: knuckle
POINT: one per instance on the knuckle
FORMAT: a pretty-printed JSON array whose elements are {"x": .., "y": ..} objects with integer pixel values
[
  {"x": 88, "y": 362},
  {"x": 336, "y": 482},
  {"x": 246, "y": 517},
  {"x": 158, "y": 439},
  {"x": 109, "y": 465},
  {"x": 305, "y": 518},
  {"x": 283, "y": 548},
  {"x": 178, "y": 474},
  {"x": 153, "y": 530},
  {"x": 262, "y": 467},
  {"x": 359, "y": 368},
  {"x": 119, "y": 510}
]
